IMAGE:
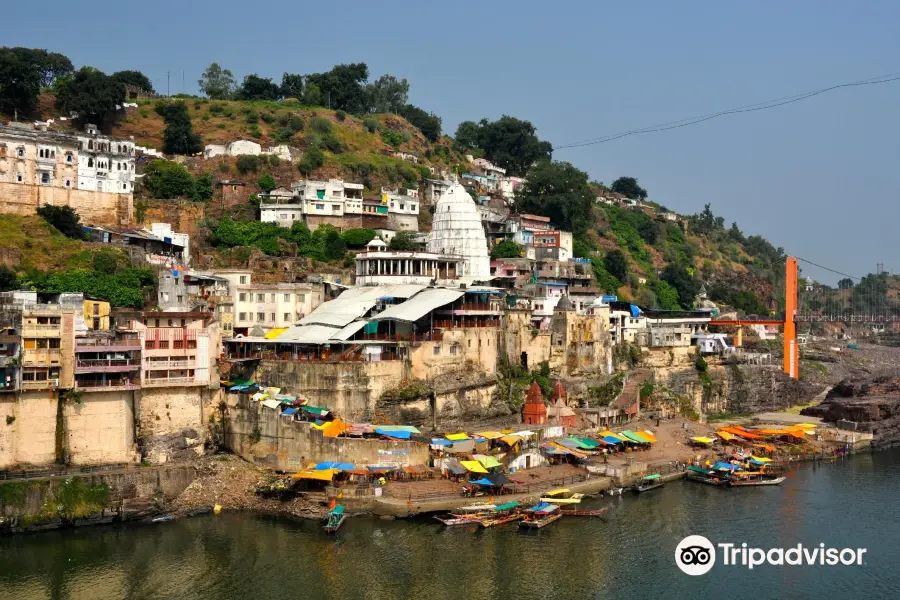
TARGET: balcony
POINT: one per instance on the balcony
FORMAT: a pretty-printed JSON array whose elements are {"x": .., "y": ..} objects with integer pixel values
[
  {"x": 107, "y": 365},
  {"x": 42, "y": 330},
  {"x": 170, "y": 381},
  {"x": 105, "y": 385},
  {"x": 169, "y": 364},
  {"x": 120, "y": 344},
  {"x": 45, "y": 384}
]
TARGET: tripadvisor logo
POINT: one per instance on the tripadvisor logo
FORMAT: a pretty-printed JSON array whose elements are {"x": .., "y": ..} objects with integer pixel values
[{"x": 696, "y": 555}]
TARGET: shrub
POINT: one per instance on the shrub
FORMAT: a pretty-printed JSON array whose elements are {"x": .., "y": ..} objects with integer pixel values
[
  {"x": 312, "y": 160},
  {"x": 267, "y": 117},
  {"x": 166, "y": 179},
  {"x": 205, "y": 117},
  {"x": 284, "y": 135},
  {"x": 296, "y": 123},
  {"x": 64, "y": 218},
  {"x": 340, "y": 115},
  {"x": 267, "y": 183},
  {"x": 228, "y": 112},
  {"x": 216, "y": 108},
  {"x": 247, "y": 164},
  {"x": 224, "y": 167},
  {"x": 320, "y": 124},
  {"x": 283, "y": 119},
  {"x": 220, "y": 126},
  {"x": 358, "y": 238},
  {"x": 274, "y": 160},
  {"x": 203, "y": 188},
  {"x": 255, "y": 132},
  {"x": 252, "y": 117},
  {"x": 392, "y": 138},
  {"x": 371, "y": 125},
  {"x": 330, "y": 142}
]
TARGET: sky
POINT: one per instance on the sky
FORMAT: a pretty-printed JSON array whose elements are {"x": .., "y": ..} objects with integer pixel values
[{"x": 820, "y": 178}]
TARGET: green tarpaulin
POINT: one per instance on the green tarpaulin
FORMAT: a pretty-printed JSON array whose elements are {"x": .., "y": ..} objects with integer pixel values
[{"x": 315, "y": 410}]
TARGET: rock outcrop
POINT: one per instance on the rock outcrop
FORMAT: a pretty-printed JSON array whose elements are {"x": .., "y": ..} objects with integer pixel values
[{"x": 871, "y": 402}]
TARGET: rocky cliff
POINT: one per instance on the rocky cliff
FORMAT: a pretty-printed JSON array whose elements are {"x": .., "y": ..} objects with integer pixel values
[{"x": 872, "y": 402}]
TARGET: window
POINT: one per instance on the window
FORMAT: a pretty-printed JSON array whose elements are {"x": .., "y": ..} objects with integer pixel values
[
  {"x": 243, "y": 279},
  {"x": 170, "y": 323},
  {"x": 260, "y": 297},
  {"x": 20, "y": 152},
  {"x": 271, "y": 297},
  {"x": 260, "y": 317},
  {"x": 90, "y": 162},
  {"x": 192, "y": 344},
  {"x": 45, "y": 178},
  {"x": 320, "y": 207},
  {"x": 283, "y": 216},
  {"x": 301, "y": 297},
  {"x": 287, "y": 317},
  {"x": 454, "y": 349},
  {"x": 470, "y": 343},
  {"x": 412, "y": 207},
  {"x": 178, "y": 344},
  {"x": 287, "y": 297},
  {"x": 272, "y": 319},
  {"x": 242, "y": 297},
  {"x": 19, "y": 177},
  {"x": 437, "y": 349},
  {"x": 163, "y": 344},
  {"x": 68, "y": 183},
  {"x": 242, "y": 316}
]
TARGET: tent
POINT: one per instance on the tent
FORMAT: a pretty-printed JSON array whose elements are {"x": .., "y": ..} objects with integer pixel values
[
  {"x": 462, "y": 447},
  {"x": 452, "y": 465},
  {"x": 399, "y": 435},
  {"x": 612, "y": 440},
  {"x": 510, "y": 440},
  {"x": 441, "y": 442},
  {"x": 317, "y": 475},
  {"x": 335, "y": 428},
  {"x": 633, "y": 437},
  {"x": 473, "y": 466},
  {"x": 490, "y": 435},
  {"x": 648, "y": 434},
  {"x": 488, "y": 462},
  {"x": 648, "y": 439},
  {"x": 407, "y": 428},
  {"x": 702, "y": 440},
  {"x": 589, "y": 443},
  {"x": 456, "y": 437},
  {"x": 726, "y": 435}
]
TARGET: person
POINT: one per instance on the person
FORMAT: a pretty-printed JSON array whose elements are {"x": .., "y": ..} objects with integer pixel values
[{"x": 382, "y": 481}]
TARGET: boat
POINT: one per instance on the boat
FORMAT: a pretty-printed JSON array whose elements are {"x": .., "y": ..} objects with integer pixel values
[
  {"x": 163, "y": 519},
  {"x": 580, "y": 512},
  {"x": 467, "y": 515},
  {"x": 703, "y": 476},
  {"x": 650, "y": 482},
  {"x": 504, "y": 513},
  {"x": 540, "y": 515},
  {"x": 562, "y": 496},
  {"x": 451, "y": 520},
  {"x": 755, "y": 478},
  {"x": 336, "y": 517}
]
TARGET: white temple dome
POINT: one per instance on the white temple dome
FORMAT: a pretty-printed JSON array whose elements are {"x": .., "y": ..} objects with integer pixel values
[{"x": 457, "y": 231}]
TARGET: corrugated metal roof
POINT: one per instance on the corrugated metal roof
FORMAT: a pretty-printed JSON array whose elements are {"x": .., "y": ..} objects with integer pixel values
[
  {"x": 419, "y": 305},
  {"x": 347, "y": 332},
  {"x": 310, "y": 334},
  {"x": 354, "y": 303}
]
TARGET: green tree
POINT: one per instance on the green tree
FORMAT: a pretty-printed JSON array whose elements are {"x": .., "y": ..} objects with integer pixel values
[
  {"x": 312, "y": 94},
  {"x": 267, "y": 183},
  {"x": 255, "y": 87},
  {"x": 217, "y": 83},
  {"x": 628, "y": 186},
  {"x": 335, "y": 247},
  {"x": 387, "y": 94},
  {"x": 343, "y": 87},
  {"x": 468, "y": 135},
  {"x": 506, "y": 249},
  {"x": 845, "y": 284},
  {"x": 247, "y": 163},
  {"x": 512, "y": 144},
  {"x": 135, "y": 78},
  {"x": 64, "y": 218},
  {"x": 179, "y": 136},
  {"x": 735, "y": 235},
  {"x": 291, "y": 86},
  {"x": 203, "y": 188},
  {"x": 428, "y": 123},
  {"x": 616, "y": 265},
  {"x": 649, "y": 231},
  {"x": 403, "y": 241},
  {"x": 557, "y": 190},
  {"x": 358, "y": 238},
  {"x": 312, "y": 160},
  {"x": 167, "y": 179},
  {"x": 22, "y": 73},
  {"x": 666, "y": 296},
  {"x": 90, "y": 93},
  {"x": 8, "y": 280},
  {"x": 705, "y": 222},
  {"x": 683, "y": 283},
  {"x": 106, "y": 260}
]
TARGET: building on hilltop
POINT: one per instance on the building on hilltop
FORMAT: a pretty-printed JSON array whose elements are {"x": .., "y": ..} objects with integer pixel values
[
  {"x": 457, "y": 231},
  {"x": 105, "y": 164}
]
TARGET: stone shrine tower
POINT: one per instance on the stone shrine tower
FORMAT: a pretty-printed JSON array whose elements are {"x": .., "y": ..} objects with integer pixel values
[{"x": 457, "y": 231}]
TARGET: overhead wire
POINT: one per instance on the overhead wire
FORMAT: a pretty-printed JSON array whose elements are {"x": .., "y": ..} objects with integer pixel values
[{"x": 742, "y": 109}]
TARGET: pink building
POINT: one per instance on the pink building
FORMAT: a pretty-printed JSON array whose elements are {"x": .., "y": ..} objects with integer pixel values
[
  {"x": 178, "y": 348},
  {"x": 104, "y": 364}
]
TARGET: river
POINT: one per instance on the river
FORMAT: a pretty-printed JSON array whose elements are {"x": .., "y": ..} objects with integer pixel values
[{"x": 628, "y": 554}]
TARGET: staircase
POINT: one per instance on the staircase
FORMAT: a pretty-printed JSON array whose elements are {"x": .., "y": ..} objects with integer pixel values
[{"x": 629, "y": 400}]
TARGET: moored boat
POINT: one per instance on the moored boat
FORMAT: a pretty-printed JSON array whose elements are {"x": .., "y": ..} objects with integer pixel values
[
  {"x": 580, "y": 512},
  {"x": 457, "y": 520},
  {"x": 709, "y": 477},
  {"x": 755, "y": 478},
  {"x": 650, "y": 482},
  {"x": 540, "y": 515},
  {"x": 336, "y": 517},
  {"x": 561, "y": 496}
]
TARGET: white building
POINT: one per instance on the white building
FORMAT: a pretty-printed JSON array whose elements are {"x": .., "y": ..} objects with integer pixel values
[
  {"x": 486, "y": 168},
  {"x": 380, "y": 266},
  {"x": 164, "y": 232},
  {"x": 273, "y": 305},
  {"x": 403, "y": 208},
  {"x": 105, "y": 164},
  {"x": 457, "y": 231},
  {"x": 332, "y": 198},
  {"x": 507, "y": 187}
]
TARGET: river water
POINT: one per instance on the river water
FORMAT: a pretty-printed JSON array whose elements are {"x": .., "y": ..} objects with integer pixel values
[{"x": 850, "y": 503}]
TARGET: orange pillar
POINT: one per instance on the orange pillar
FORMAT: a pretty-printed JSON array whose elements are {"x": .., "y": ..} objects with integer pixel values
[{"x": 791, "y": 350}]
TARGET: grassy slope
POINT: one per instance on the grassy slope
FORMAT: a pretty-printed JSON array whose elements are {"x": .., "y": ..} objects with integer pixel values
[{"x": 41, "y": 246}]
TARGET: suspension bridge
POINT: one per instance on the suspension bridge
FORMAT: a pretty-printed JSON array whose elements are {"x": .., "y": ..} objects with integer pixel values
[{"x": 867, "y": 300}]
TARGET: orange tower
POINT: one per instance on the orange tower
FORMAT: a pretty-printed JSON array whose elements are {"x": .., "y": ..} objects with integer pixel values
[{"x": 791, "y": 349}]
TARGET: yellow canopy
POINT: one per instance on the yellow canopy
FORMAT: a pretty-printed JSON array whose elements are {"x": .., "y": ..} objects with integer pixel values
[
  {"x": 647, "y": 434},
  {"x": 511, "y": 439},
  {"x": 556, "y": 492},
  {"x": 725, "y": 435},
  {"x": 323, "y": 475},
  {"x": 274, "y": 333},
  {"x": 703, "y": 440},
  {"x": 473, "y": 466},
  {"x": 491, "y": 435},
  {"x": 456, "y": 437},
  {"x": 759, "y": 459},
  {"x": 335, "y": 428}
]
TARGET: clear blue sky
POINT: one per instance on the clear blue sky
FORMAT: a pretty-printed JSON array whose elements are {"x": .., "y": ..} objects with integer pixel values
[{"x": 820, "y": 177}]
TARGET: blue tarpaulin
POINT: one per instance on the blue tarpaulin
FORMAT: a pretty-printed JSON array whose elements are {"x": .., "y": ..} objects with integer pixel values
[
  {"x": 538, "y": 507},
  {"x": 289, "y": 411},
  {"x": 441, "y": 442},
  {"x": 611, "y": 440},
  {"x": 324, "y": 466},
  {"x": 482, "y": 482},
  {"x": 635, "y": 311},
  {"x": 724, "y": 466},
  {"x": 400, "y": 435}
]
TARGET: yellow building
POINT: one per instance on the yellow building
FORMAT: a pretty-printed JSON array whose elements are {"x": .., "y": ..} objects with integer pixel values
[{"x": 96, "y": 315}]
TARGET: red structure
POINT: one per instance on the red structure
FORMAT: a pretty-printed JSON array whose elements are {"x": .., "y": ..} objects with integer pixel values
[
  {"x": 534, "y": 412},
  {"x": 559, "y": 412}
]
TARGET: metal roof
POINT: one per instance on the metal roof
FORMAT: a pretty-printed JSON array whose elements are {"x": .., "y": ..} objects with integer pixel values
[
  {"x": 353, "y": 303},
  {"x": 309, "y": 334},
  {"x": 347, "y": 332},
  {"x": 419, "y": 305}
]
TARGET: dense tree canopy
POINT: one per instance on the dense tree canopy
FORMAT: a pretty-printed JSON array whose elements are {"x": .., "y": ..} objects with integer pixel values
[
  {"x": 403, "y": 241},
  {"x": 387, "y": 94},
  {"x": 167, "y": 179},
  {"x": 684, "y": 284},
  {"x": 292, "y": 86},
  {"x": 343, "y": 87},
  {"x": 217, "y": 83},
  {"x": 255, "y": 87},
  {"x": 557, "y": 190},
  {"x": 8, "y": 280},
  {"x": 64, "y": 218},
  {"x": 506, "y": 249},
  {"x": 179, "y": 136},
  {"x": 628, "y": 186},
  {"x": 23, "y": 71},
  {"x": 845, "y": 284},
  {"x": 428, "y": 123},
  {"x": 507, "y": 142},
  {"x": 135, "y": 78},
  {"x": 90, "y": 93},
  {"x": 616, "y": 264}
]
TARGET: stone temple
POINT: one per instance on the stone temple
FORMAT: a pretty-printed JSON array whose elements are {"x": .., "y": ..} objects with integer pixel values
[{"x": 457, "y": 231}]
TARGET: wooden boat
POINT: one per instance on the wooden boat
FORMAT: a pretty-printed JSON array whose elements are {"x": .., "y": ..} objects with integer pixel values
[
  {"x": 451, "y": 520},
  {"x": 336, "y": 517},
  {"x": 650, "y": 482},
  {"x": 576, "y": 512},
  {"x": 703, "y": 476},
  {"x": 562, "y": 496},
  {"x": 507, "y": 518},
  {"x": 540, "y": 515},
  {"x": 755, "y": 478}
]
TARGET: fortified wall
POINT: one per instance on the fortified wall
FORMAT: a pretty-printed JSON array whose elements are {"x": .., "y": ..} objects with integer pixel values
[
  {"x": 264, "y": 437},
  {"x": 94, "y": 208}
]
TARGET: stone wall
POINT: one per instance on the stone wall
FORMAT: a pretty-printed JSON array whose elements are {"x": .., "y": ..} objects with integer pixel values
[
  {"x": 458, "y": 399},
  {"x": 351, "y": 389},
  {"x": 94, "y": 208},
  {"x": 183, "y": 216},
  {"x": 171, "y": 423},
  {"x": 261, "y": 436},
  {"x": 520, "y": 337},
  {"x": 476, "y": 349},
  {"x": 100, "y": 429}
]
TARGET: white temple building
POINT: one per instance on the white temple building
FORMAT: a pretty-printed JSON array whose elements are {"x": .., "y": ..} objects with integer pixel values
[{"x": 457, "y": 231}]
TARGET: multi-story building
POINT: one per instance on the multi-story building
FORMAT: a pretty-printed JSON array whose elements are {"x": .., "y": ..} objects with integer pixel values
[
  {"x": 96, "y": 314},
  {"x": 10, "y": 347},
  {"x": 178, "y": 348},
  {"x": 274, "y": 305},
  {"x": 322, "y": 201},
  {"x": 32, "y": 157},
  {"x": 403, "y": 208},
  {"x": 105, "y": 164},
  {"x": 48, "y": 341},
  {"x": 104, "y": 363},
  {"x": 185, "y": 291},
  {"x": 380, "y": 266}
]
